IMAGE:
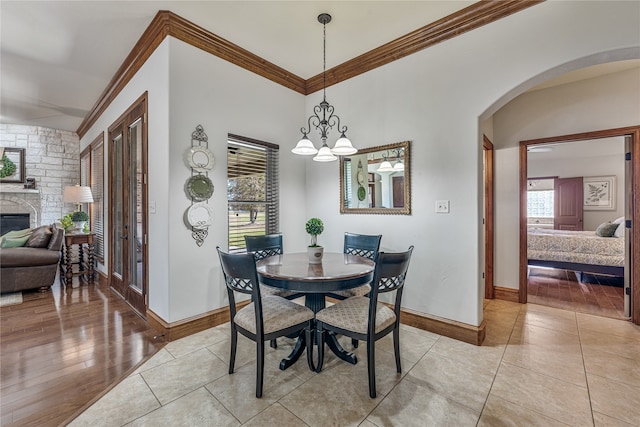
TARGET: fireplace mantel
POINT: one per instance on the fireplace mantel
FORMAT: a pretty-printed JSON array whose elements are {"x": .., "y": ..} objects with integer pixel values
[{"x": 18, "y": 190}]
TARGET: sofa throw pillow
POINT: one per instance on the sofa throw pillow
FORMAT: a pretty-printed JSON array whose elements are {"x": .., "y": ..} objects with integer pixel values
[
  {"x": 39, "y": 238},
  {"x": 15, "y": 234},
  {"x": 16, "y": 242},
  {"x": 606, "y": 229}
]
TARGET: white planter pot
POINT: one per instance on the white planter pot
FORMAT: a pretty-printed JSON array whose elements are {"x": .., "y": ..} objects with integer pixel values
[
  {"x": 315, "y": 254},
  {"x": 79, "y": 226}
]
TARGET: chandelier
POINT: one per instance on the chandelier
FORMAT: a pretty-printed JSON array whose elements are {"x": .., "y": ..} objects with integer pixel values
[{"x": 323, "y": 118}]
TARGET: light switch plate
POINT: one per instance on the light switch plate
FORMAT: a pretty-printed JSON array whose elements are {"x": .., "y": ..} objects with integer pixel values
[{"x": 442, "y": 206}]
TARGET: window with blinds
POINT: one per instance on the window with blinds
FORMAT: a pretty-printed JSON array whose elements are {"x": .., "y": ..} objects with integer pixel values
[
  {"x": 92, "y": 175},
  {"x": 252, "y": 189},
  {"x": 347, "y": 179}
]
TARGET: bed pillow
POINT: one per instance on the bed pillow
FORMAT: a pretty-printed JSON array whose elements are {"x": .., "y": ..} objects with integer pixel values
[
  {"x": 620, "y": 230},
  {"x": 606, "y": 229},
  {"x": 618, "y": 220}
]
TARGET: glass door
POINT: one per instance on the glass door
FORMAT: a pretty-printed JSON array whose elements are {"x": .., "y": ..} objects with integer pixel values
[{"x": 128, "y": 208}]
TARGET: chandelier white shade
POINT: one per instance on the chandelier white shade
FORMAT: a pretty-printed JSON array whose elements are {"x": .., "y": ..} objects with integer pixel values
[
  {"x": 385, "y": 166},
  {"x": 325, "y": 155},
  {"x": 323, "y": 118},
  {"x": 304, "y": 147}
]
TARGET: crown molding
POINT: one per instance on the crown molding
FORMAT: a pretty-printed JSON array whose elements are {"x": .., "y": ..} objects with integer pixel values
[
  {"x": 460, "y": 22},
  {"x": 167, "y": 23}
]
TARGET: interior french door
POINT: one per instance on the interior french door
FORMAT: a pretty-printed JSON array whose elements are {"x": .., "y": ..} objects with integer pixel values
[{"x": 128, "y": 208}]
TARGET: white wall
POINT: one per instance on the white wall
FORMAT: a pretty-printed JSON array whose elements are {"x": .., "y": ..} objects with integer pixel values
[
  {"x": 584, "y": 165},
  {"x": 435, "y": 98},
  {"x": 604, "y": 102},
  {"x": 223, "y": 98}
]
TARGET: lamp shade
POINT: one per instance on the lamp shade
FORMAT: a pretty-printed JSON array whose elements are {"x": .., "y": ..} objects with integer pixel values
[
  {"x": 304, "y": 147},
  {"x": 325, "y": 155},
  {"x": 385, "y": 167},
  {"x": 77, "y": 194},
  {"x": 343, "y": 147},
  {"x": 399, "y": 166}
]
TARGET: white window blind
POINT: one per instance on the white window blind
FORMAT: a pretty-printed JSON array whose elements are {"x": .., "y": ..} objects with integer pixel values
[{"x": 92, "y": 175}]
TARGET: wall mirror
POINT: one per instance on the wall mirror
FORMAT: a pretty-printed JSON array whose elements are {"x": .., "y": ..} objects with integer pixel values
[{"x": 377, "y": 180}]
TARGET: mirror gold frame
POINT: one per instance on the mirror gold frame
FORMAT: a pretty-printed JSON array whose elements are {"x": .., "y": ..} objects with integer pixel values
[{"x": 374, "y": 155}]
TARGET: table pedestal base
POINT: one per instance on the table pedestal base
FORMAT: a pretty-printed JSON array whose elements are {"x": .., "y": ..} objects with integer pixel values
[{"x": 332, "y": 342}]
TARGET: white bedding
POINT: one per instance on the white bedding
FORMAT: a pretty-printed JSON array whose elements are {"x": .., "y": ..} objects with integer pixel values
[{"x": 582, "y": 247}]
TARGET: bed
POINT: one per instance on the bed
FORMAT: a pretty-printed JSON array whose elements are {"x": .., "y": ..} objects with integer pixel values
[{"x": 580, "y": 251}]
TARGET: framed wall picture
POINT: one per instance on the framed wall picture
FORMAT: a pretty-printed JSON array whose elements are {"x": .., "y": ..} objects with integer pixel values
[
  {"x": 599, "y": 193},
  {"x": 12, "y": 165}
]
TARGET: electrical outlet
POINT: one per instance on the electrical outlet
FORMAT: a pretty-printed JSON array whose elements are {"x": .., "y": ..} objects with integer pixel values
[{"x": 442, "y": 206}]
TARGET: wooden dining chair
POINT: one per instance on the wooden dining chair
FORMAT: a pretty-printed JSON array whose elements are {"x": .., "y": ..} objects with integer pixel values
[
  {"x": 363, "y": 245},
  {"x": 365, "y": 318},
  {"x": 265, "y": 318},
  {"x": 262, "y": 247}
]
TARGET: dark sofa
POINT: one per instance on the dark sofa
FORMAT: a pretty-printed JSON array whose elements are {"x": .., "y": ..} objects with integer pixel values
[{"x": 33, "y": 266}]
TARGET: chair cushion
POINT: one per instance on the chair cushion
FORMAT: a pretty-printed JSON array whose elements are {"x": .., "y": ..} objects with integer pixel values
[
  {"x": 352, "y": 314},
  {"x": 270, "y": 290},
  {"x": 277, "y": 314},
  {"x": 360, "y": 291}
]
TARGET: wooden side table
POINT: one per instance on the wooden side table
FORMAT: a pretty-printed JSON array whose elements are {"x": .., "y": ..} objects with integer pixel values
[{"x": 85, "y": 260}]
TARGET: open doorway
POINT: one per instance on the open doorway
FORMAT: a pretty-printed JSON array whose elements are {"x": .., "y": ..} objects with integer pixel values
[{"x": 630, "y": 268}]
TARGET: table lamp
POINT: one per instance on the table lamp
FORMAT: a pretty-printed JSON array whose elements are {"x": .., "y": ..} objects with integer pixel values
[{"x": 77, "y": 194}]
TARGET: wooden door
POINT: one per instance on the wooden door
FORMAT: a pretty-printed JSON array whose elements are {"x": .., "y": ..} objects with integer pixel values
[
  {"x": 567, "y": 204},
  {"x": 398, "y": 191},
  {"x": 128, "y": 207}
]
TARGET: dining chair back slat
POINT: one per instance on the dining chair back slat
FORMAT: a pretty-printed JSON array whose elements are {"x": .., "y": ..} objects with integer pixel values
[
  {"x": 362, "y": 245},
  {"x": 264, "y": 246}
]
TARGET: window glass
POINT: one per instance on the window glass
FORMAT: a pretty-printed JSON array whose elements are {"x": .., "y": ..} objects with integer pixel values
[{"x": 252, "y": 189}]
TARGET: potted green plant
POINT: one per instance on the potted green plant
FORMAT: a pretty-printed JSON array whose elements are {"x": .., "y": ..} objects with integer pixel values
[
  {"x": 79, "y": 219},
  {"x": 314, "y": 227}
]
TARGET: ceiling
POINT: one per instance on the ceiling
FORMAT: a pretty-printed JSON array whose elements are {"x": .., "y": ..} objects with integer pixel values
[{"x": 56, "y": 57}]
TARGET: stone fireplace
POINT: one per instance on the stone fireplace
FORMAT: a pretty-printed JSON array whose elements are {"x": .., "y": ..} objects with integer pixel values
[{"x": 21, "y": 201}]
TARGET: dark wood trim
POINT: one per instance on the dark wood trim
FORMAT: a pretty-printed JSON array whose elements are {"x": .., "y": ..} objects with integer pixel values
[
  {"x": 507, "y": 294},
  {"x": 168, "y": 23},
  {"x": 467, "y": 19},
  {"x": 522, "y": 286},
  {"x": 632, "y": 132},
  {"x": 203, "y": 39},
  {"x": 139, "y": 301},
  {"x": 239, "y": 138},
  {"x": 438, "y": 325},
  {"x": 489, "y": 221},
  {"x": 446, "y": 327},
  {"x": 142, "y": 50},
  {"x": 185, "y": 327},
  {"x": 635, "y": 229}
]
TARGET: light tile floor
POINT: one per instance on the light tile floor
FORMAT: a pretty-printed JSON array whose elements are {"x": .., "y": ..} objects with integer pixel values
[{"x": 539, "y": 366}]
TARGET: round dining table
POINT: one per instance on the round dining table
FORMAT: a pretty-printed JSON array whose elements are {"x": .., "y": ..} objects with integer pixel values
[{"x": 293, "y": 272}]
